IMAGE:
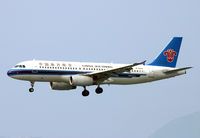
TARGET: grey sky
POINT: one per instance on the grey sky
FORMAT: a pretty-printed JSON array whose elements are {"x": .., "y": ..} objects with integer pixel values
[{"x": 118, "y": 31}]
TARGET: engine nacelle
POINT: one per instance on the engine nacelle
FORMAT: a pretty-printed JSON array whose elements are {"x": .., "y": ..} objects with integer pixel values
[
  {"x": 61, "y": 86},
  {"x": 78, "y": 80}
]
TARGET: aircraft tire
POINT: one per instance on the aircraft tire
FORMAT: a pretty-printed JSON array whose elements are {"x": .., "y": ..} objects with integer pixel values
[
  {"x": 99, "y": 90},
  {"x": 31, "y": 90},
  {"x": 85, "y": 93}
]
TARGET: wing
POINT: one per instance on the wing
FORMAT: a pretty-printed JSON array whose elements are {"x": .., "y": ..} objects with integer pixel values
[{"x": 103, "y": 75}]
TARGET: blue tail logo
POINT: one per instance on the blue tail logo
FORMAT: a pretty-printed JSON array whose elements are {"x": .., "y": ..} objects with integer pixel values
[{"x": 169, "y": 56}]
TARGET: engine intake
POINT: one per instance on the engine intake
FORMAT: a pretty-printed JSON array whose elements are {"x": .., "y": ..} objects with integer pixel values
[
  {"x": 61, "y": 86},
  {"x": 78, "y": 80}
]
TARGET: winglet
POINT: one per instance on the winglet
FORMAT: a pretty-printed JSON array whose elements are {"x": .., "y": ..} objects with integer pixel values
[
  {"x": 144, "y": 62},
  {"x": 139, "y": 63}
]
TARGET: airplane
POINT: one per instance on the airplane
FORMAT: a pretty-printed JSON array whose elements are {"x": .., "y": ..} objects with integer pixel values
[{"x": 70, "y": 75}]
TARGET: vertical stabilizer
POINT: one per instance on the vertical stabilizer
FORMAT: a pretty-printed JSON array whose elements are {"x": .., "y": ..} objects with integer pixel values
[{"x": 169, "y": 56}]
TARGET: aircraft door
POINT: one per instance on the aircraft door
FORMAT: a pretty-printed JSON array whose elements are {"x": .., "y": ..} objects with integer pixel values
[{"x": 34, "y": 68}]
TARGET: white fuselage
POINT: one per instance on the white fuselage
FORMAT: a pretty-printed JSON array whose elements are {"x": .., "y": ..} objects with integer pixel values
[{"x": 59, "y": 71}]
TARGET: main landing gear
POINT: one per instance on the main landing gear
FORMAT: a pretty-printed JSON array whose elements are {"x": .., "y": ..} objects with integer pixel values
[
  {"x": 98, "y": 90},
  {"x": 32, "y": 85},
  {"x": 85, "y": 92}
]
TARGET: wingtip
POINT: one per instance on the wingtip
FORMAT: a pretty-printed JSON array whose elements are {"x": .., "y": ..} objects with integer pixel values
[{"x": 143, "y": 62}]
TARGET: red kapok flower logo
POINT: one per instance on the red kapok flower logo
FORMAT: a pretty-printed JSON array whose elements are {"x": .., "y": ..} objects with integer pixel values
[{"x": 170, "y": 53}]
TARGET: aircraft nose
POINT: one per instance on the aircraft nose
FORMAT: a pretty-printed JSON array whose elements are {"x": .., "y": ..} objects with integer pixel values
[{"x": 9, "y": 73}]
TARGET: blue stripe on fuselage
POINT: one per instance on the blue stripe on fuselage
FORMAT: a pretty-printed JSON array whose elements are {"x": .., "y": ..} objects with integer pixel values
[{"x": 14, "y": 72}]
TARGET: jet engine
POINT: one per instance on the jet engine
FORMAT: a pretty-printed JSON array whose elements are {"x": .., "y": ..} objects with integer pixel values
[
  {"x": 61, "y": 86},
  {"x": 78, "y": 80}
]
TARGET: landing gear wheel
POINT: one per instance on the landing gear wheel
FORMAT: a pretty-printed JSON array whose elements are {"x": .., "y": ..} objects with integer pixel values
[
  {"x": 99, "y": 90},
  {"x": 85, "y": 93},
  {"x": 32, "y": 85},
  {"x": 31, "y": 90}
]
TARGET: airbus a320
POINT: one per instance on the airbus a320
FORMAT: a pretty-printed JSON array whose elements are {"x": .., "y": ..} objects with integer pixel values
[{"x": 69, "y": 75}]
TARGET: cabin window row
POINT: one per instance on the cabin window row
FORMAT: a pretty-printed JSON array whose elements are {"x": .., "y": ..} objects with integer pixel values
[
  {"x": 70, "y": 68},
  {"x": 137, "y": 70}
]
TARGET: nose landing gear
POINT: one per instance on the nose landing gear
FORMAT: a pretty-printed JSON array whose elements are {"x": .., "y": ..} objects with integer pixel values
[
  {"x": 31, "y": 90},
  {"x": 32, "y": 85}
]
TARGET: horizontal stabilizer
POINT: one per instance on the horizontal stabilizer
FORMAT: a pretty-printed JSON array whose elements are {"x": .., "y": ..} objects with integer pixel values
[{"x": 176, "y": 70}]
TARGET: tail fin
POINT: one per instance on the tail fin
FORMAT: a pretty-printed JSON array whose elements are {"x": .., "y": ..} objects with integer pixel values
[{"x": 168, "y": 57}]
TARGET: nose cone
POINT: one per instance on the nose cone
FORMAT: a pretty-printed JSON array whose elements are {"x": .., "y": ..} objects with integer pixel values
[
  {"x": 9, "y": 73},
  {"x": 13, "y": 74}
]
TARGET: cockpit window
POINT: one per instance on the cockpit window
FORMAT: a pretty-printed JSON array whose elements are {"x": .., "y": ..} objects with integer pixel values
[{"x": 20, "y": 66}]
